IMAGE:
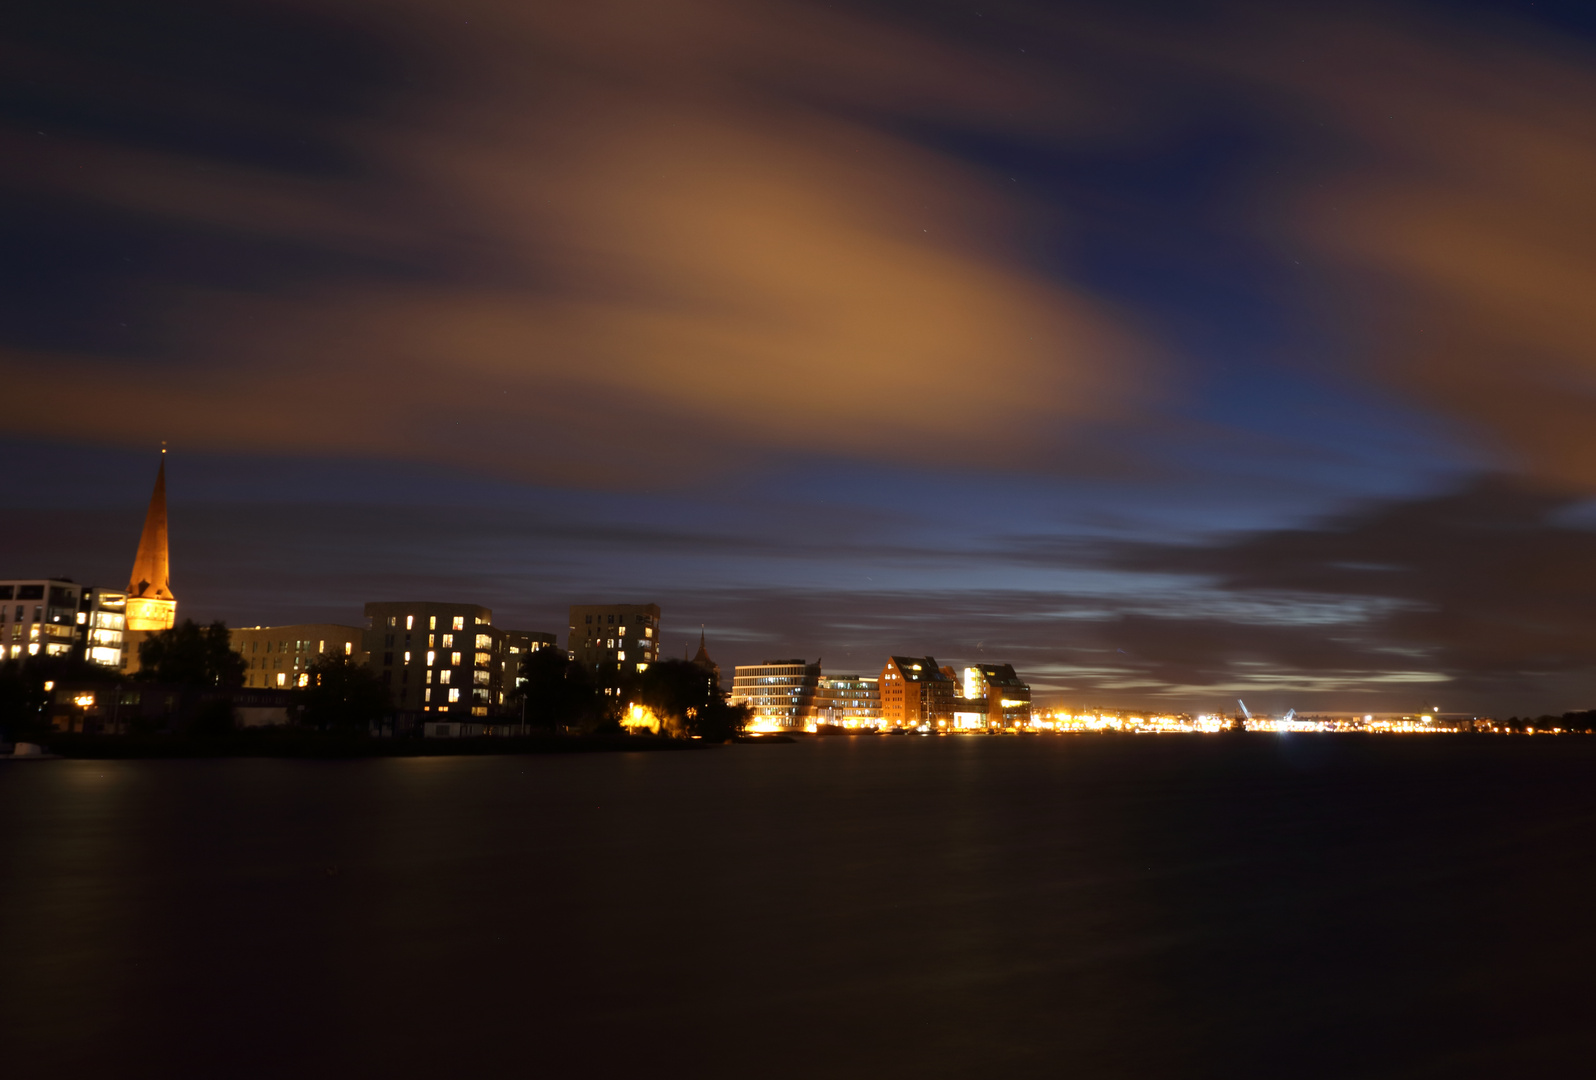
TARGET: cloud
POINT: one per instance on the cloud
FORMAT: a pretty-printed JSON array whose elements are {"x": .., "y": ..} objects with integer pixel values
[
  {"x": 593, "y": 234},
  {"x": 1456, "y": 222}
]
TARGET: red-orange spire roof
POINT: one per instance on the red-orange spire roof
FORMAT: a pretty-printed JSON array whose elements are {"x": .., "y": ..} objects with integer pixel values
[{"x": 151, "y": 578}]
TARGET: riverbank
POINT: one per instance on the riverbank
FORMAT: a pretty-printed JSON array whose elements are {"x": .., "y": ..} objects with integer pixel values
[{"x": 286, "y": 743}]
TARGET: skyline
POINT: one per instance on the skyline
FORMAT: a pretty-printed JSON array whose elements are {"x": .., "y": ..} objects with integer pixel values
[{"x": 1162, "y": 358}]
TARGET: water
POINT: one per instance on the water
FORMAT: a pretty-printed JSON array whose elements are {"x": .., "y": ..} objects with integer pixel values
[{"x": 1313, "y": 906}]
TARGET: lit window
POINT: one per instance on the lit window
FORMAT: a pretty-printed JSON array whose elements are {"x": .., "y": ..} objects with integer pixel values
[
  {"x": 609, "y": 643},
  {"x": 429, "y": 675},
  {"x": 304, "y": 680},
  {"x": 642, "y": 668},
  {"x": 448, "y": 641},
  {"x": 432, "y": 657},
  {"x": 621, "y": 631},
  {"x": 454, "y": 659},
  {"x": 410, "y": 622},
  {"x": 648, "y": 631},
  {"x": 282, "y": 679},
  {"x": 454, "y": 694},
  {"x": 432, "y": 640},
  {"x": 459, "y": 622},
  {"x": 620, "y": 656},
  {"x": 432, "y": 622},
  {"x": 393, "y": 620},
  {"x": 349, "y": 648},
  {"x": 407, "y": 658},
  {"x": 443, "y": 676},
  {"x": 429, "y": 694},
  {"x": 83, "y": 617}
]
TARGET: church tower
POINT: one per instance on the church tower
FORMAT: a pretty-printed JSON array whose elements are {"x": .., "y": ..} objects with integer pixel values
[{"x": 150, "y": 603}]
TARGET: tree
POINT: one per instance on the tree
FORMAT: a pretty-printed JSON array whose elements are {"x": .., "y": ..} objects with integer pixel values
[
  {"x": 688, "y": 701},
  {"x": 192, "y": 655},
  {"x": 342, "y": 695},
  {"x": 558, "y": 692}
]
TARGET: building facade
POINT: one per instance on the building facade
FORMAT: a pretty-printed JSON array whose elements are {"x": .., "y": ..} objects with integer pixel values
[
  {"x": 59, "y": 617},
  {"x": 613, "y": 641},
  {"x": 780, "y": 694},
  {"x": 916, "y": 693},
  {"x": 848, "y": 701},
  {"x": 278, "y": 656},
  {"x": 994, "y": 697},
  {"x": 446, "y": 658}
]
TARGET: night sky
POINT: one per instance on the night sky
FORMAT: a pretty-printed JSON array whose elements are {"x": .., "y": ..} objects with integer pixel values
[{"x": 1204, "y": 351}]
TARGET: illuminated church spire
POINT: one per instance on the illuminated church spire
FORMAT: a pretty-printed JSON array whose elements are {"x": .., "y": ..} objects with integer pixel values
[{"x": 150, "y": 603}]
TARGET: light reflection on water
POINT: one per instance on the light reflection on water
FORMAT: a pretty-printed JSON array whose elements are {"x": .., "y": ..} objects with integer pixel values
[{"x": 848, "y": 907}]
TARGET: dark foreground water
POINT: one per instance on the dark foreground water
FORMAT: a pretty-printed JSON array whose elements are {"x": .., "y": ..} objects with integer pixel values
[{"x": 1140, "y": 907}]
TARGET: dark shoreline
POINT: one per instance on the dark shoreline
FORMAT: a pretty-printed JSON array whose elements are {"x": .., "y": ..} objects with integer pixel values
[{"x": 279, "y": 744}]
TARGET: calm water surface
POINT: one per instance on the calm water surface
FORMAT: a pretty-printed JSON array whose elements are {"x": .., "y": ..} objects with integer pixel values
[{"x": 1181, "y": 907}]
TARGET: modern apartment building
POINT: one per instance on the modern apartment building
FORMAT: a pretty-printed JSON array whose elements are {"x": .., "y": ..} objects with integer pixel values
[
  {"x": 994, "y": 697},
  {"x": 434, "y": 657},
  {"x": 614, "y": 640},
  {"x": 279, "y": 655},
  {"x": 446, "y": 658},
  {"x": 59, "y": 617},
  {"x": 780, "y": 694},
  {"x": 848, "y": 701},
  {"x": 915, "y": 692}
]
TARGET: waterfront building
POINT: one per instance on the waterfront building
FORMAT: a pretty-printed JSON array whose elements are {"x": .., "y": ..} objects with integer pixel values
[
  {"x": 994, "y": 696},
  {"x": 613, "y": 641},
  {"x": 278, "y": 656},
  {"x": 446, "y": 658},
  {"x": 780, "y": 694},
  {"x": 433, "y": 657},
  {"x": 59, "y": 617},
  {"x": 848, "y": 701},
  {"x": 915, "y": 692}
]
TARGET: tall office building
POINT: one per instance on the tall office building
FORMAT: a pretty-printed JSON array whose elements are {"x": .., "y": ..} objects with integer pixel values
[
  {"x": 278, "y": 656},
  {"x": 59, "y": 617},
  {"x": 780, "y": 694},
  {"x": 614, "y": 641},
  {"x": 915, "y": 692}
]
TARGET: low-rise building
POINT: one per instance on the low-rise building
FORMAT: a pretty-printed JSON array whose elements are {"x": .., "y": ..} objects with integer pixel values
[
  {"x": 780, "y": 694},
  {"x": 848, "y": 701},
  {"x": 916, "y": 693},
  {"x": 278, "y": 656},
  {"x": 59, "y": 617},
  {"x": 614, "y": 641}
]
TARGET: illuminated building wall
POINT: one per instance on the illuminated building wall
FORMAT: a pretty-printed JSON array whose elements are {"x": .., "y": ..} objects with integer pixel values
[
  {"x": 779, "y": 693},
  {"x": 850, "y": 701},
  {"x": 916, "y": 692},
  {"x": 278, "y": 655},
  {"x": 614, "y": 640},
  {"x": 59, "y": 617},
  {"x": 1005, "y": 699}
]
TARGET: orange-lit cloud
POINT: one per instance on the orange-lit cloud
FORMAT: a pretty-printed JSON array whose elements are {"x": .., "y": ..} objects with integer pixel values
[
  {"x": 1465, "y": 227},
  {"x": 632, "y": 227}
]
